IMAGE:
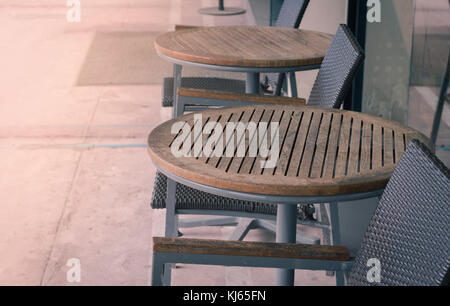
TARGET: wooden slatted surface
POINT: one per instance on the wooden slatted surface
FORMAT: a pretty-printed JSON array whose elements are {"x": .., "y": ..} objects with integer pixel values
[
  {"x": 321, "y": 151},
  {"x": 247, "y": 248},
  {"x": 246, "y": 46}
]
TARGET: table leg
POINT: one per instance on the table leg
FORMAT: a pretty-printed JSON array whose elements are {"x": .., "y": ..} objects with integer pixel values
[
  {"x": 171, "y": 225},
  {"x": 293, "y": 84},
  {"x": 176, "y": 85},
  {"x": 336, "y": 237},
  {"x": 252, "y": 84},
  {"x": 286, "y": 232}
]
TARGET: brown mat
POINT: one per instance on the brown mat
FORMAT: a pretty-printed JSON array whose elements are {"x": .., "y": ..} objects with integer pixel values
[{"x": 129, "y": 58}]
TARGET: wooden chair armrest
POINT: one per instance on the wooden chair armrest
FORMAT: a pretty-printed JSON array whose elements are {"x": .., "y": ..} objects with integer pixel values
[
  {"x": 245, "y": 248},
  {"x": 185, "y": 27},
  {"x": 230, "y": 96}
]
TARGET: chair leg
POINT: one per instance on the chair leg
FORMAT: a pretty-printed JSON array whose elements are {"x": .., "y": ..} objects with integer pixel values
[
  {"x": 323, "y": 216},
  {"x": 293, "y": 84},
  {"x": 286, "y": 232},
  {"x": 171, "y": 215},
  {"x": 176, "y": 84},
  {"x": 243, "y": 227},
  {"x": 157, "y": 270},
  {"x": 340, "y": 279},
  {"x": 180, "y": 108},
  {"x": 336, "y": 238},
  {"x": 171, "y": 224},
  {"x": 280, "y": 84}
]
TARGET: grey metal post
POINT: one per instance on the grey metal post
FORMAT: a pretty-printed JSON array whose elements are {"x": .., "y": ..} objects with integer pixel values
[
  {"x": 440, "y": 105},
  {"x": 286, "y": 232},
  {"x": 336, "y": 238},
  {"x": 157, "y": 270},
  {"x": 293, "y": 84},
  {"x": 280, "y": 83},
  {"x": 171, "y": 223},
  {"x": 252, "y": 83},
  {"x": 221, "y": 6},
  {"x": 171, "y": 215},
  {"x": 176, "y": 84},
  {"x": 323, "y": 216}
]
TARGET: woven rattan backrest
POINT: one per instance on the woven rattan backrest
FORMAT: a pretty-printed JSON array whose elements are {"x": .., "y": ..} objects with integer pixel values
[
  {"x": 291, "y": 13},
  {"x": 337, "y": 70},
  {"x": 409, "y": 233},
  {"x": 290, "y": 16}
]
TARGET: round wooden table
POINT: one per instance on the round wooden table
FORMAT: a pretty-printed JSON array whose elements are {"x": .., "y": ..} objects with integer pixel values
[
  {"x": 250, "y": 49},
  {"x": 325, "y": 156}
]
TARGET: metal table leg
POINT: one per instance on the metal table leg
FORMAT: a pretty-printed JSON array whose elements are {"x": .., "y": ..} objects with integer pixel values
[
  {"x": 293, "y": 84},
  {"x": 286, "y": 232},
  {"x": 176, "y": 84},
  {"x": 252, "y": 84}
]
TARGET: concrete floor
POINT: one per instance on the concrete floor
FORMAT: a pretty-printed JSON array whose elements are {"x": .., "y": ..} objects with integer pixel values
[{"x": 75, "y": 178}]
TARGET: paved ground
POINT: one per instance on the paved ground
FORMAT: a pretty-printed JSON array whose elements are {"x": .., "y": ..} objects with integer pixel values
[{"x": 75, "y": 180}]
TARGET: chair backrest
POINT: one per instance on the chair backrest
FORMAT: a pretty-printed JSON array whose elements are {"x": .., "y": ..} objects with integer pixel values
[
  {"x": 337, "y": 70},
  {"x": 290, "y": 16},
  {"x": 409, "y": 233},
  {"x": 291, "y": 13}
]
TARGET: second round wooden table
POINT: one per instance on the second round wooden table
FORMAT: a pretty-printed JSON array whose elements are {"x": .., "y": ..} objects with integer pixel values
[
  {"x": 250, "y": 49},
  {"x": 325, "y": 156}
]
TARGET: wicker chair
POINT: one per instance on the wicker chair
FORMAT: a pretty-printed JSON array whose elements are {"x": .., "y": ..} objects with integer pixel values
[
  {"x": 408, "y": 236},
  {"x": 291, "y": 14},
  {"x": 332, "y": 83}
]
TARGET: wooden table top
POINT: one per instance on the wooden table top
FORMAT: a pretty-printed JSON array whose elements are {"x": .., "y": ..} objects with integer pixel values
[
  {"x": 246, "y": 46},
  {"x": 322, "y": 151}
]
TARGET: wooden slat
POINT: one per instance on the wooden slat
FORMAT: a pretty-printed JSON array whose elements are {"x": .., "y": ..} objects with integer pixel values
[
  {"x": 285, "y": 126},
  {"x": 179, "y": 27},
  {"x": 289, "y": 139},
  {"x": 197, "y": 134},
  {"x": 344, "y": 140},
  {"x": 377, "y": 147},
  {"x": 305, "y": 162},
  {"x": 399, "y": 145},
  {"x": 321, "y": 146},
  {"x": 248, "y": 162},
  {"x": 235, "y": 163},
  {"x": 366, "y": 147},
  {"x": 246, "y": 248},
  {"x": 353, "y": 159},
  {"x": 277, "y": 117},
  {"x": 330, "y": 159},
  {"x": 231, "y": 96},
  {"x": 219, "y": 120},
  {"x": 214, "y": 160},
  {"x": 388, "y": 154},
  {"x": 179, "y": 137},
  {"x": 300, "y": 141}
]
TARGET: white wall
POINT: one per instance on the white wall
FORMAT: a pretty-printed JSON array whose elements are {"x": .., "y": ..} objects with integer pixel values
[{"x": 325, "y": 15}]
